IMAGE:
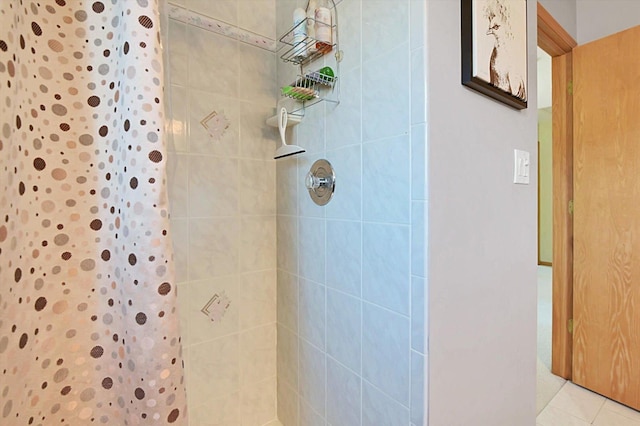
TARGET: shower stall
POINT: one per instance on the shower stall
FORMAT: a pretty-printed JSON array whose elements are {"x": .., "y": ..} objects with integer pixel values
[{"x": 294, "y": 313}]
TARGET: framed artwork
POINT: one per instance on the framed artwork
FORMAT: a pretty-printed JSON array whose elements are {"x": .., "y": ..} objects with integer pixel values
[{"x": 494, "y": 49}]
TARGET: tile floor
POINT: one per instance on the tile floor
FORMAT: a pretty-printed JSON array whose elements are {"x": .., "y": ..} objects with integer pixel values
[
  {"x": 576, "y": 406},
  {"x": 562, "y": 403}
]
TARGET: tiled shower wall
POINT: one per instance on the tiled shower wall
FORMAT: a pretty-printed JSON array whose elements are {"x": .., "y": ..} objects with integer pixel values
[
  {"x": 351, "y": 346},
  {"x": 223, "y": 201}
]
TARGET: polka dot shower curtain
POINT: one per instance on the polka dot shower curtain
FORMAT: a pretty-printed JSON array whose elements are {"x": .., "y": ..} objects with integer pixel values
[{"x": 88, "y": 323}]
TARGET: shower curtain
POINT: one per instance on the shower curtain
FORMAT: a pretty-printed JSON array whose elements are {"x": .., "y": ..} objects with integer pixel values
[{"x": 88, "y": 321}]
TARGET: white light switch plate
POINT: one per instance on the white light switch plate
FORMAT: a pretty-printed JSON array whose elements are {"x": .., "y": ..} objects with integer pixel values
[{"x": 521, "y": 167}]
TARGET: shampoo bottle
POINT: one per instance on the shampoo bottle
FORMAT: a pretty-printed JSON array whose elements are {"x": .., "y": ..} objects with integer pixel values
[
  {"x": 299, "y": 34},
  {"x": 323, "y": 27},
  {"x": 311, "y": 28}
]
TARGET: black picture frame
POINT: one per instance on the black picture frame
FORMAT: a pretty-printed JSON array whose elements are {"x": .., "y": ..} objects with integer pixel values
[{"x": 504, "y": 77}]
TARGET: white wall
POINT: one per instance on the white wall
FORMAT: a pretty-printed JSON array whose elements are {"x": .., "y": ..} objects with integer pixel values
[
  {"x": 564, "y": 11},
  {"x": 598, "y": 18},
  {"x": 482, "y": 241}
]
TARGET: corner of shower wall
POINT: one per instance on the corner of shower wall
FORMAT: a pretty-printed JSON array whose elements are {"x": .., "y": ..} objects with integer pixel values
[{"x": 223, "y": 205}]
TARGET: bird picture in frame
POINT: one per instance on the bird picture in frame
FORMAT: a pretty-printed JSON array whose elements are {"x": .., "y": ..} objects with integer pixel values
[{"x": 495, "y": 49}]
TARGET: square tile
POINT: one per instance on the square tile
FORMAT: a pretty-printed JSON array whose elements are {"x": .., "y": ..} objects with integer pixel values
[
  {"x": 257, "y": 140},
  {"x": 350, "y": 33},
  {"x": 310, "y": 133},
  {"x": 378, "y": 409},
  {"x": 312, "y": 319},
  {"x": 257, "y": 76},
  {"x": 215, "y": 369},
  {"x": 309, "y": 416},
  {"x": 257, "y": 187},
  {"x": 201, "y": 327},
  {"x": 178, "y": 104},
  {"x": 217, "y": 73},
  {"x": 208, "y": 197},
  {"x": 201, "y": 105},
  {"x": 621, "y": 409},
  {"x": 257, "y": 298},
  {"x": 287, "y": 354},
  {"x": 344, "y": 256},
  {"x": 386, "y": 111},
  {"x": 287, "y": 405},
  {"x": 257, "y": 355},
  {"x": 287, "y": 243},
  {"x": 344, "y": 397},
  {"x": 214, "y": 247},
  {"x": 178, "y": 53},
  {"x": 287, "y": 296},
  {"x": 614, "y": 416},
  {"x": 386, "y": 188},
  {"x": 386, "y": 362},
  {"x": 344, "y": 329},
  {"x": 258, "y": 245},
  {"x": 578, "y": 402},
  {"x": 385, "y": 278},
  {"x": 258, "y": 403},
  {"x": 287, "y": 186},
  {"x": 552, "y": 416},
  {"x": 258, "y": 16},
  {"x": 227, "y": 409},
  {"x": 385, "y": 25},
  {"x": 344, "y": 120},
  {"x": 311, "y": 376},
  {"x": 312, "y": 254}
]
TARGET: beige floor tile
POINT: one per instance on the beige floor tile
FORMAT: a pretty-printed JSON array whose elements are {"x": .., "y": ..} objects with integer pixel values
[
  {"x": 611, "y": 418},
  {"x": 552, "y": 416},
  {"x": 623, "y": 410},
  {"x": 578, "y": 402}
]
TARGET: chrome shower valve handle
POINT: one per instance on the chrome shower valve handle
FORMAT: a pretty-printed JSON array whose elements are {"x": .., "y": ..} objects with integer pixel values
[{"x": 321, "y": 182}]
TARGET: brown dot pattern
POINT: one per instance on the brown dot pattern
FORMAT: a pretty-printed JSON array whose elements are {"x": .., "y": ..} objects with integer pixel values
[{"x": 88, "y": 321}]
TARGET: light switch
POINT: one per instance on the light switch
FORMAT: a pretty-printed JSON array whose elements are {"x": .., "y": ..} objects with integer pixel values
[{"x": 521, "y": 167}]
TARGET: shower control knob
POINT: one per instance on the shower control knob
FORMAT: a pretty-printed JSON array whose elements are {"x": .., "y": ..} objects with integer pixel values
[
  {"x": 321, "y": 182},
  {"x": 315, "y": 182}
]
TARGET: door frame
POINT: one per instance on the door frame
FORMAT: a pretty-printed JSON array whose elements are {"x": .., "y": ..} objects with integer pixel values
[{"x": 558, "y": 43}]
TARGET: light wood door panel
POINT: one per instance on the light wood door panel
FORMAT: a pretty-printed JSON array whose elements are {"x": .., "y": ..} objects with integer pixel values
[{"x": 606, "y": 304}]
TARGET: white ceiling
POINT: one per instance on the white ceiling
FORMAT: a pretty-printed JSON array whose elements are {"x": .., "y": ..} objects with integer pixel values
[{"x": 544, "y": 79}]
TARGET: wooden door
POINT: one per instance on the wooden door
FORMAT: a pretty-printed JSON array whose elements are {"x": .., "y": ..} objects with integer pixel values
[{"x": 606, "y": 304}]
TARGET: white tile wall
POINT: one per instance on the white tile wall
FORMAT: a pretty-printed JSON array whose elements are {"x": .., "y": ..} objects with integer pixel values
[
  {"x": 386, "y": 175},
  {"x": 378, "y": 409},
  {"x": 344, "y": 329},
  {"x": 385, "y": 266},
  {"x": 348, "y": 287},
  {"x": 356, "y": 262},
  {"x": 344, "y": 256},
  {"x": 223, "y": 206},
  {"x": 344, "y": 401}
]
